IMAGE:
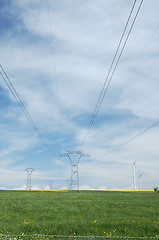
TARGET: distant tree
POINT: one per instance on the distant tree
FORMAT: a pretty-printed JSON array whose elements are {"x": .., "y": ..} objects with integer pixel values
[{"x": 156, "y": 189}]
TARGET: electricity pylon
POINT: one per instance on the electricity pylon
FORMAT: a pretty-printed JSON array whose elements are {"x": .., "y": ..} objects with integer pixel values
[
  {"x": 51, "y": 184},
  {"x": 29, "y": 172},
  {"x": 74, "y": 158}
]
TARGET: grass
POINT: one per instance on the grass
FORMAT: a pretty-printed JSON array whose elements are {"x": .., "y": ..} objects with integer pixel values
[{"x": 85, "y": 213}]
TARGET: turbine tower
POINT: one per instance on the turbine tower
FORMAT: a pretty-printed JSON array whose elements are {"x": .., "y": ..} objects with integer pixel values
[
  {"x": 134, "y": 175},
  {"x": 74, "y": 158},
  {"x": 139, "y": 175},
  {"x": 29, "y": 172}
]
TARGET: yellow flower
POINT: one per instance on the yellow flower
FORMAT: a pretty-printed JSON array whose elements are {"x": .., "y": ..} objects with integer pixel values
[{"x": 94, "y": 221}]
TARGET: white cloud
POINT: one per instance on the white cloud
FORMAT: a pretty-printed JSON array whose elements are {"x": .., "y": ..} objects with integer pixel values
[
  {"x": 86, "y": 187},
  {"x": 60, "y": 91}
]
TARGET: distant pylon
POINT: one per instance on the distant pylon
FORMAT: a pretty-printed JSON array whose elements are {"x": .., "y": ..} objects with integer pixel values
[
  {"x": 29, "y": 172},
  {"x": 51, "y": 184},
  {"x": 74, "y": 158}
]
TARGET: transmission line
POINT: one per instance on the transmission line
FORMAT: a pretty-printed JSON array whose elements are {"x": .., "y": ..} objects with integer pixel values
[
  {"x": 52, "y": 44},
  {"x": 106, "y": 85},
  {"x": 17, "y": 98},
  {"x": 131, "y": 139},
  {"x": 21, "y": 105}
]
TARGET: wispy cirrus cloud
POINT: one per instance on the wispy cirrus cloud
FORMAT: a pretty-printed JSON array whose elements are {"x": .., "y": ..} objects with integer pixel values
[{"x": 60, "y": 87}]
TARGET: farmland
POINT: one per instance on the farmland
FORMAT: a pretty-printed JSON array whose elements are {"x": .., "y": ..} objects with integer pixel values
[{"x": 85, "y": 213}]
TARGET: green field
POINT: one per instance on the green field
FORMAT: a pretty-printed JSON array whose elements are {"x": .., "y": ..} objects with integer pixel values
[{"x": 85, "y": 213}]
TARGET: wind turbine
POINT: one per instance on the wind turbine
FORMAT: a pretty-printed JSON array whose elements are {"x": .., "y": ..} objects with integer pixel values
[
  {"x": 139, "y": 175},
  {"x": 134, "y": 175}
]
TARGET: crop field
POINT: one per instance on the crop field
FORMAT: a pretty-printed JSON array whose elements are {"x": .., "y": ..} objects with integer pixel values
[{"x": 85, "y": 213}]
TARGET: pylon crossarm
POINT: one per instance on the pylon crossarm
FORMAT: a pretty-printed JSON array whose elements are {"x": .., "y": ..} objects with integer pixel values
[
  {"x": 77, "y": 162},
  {"x": 70, "y": 159},
  {"x": 81, "y": 155}
]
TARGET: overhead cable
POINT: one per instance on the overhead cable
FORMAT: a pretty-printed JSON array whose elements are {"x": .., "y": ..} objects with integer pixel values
[
  {"x": 113, "y": 66},
  {"x": 17, "y": 98},
  {"x": 52, "y": 44},
  {"x": 131, "y": 139},
  {"x": 21, "y": 105}
]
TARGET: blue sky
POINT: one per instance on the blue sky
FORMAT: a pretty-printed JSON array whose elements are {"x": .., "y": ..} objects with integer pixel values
[{"x": 58, "y": 59}]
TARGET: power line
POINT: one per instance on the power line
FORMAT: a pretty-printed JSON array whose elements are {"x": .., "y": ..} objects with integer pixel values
[
  {"x": 50, "y": 25},
  {"x": 139, "y": 58},
  {"x": 52, "y": 44},
  {"x": 131, "y": 139},
  {"x": 21, "y": 105},
  {"x": 17, "y": 98},
  {"x": 150, "y": 126},
  {"x": 105, "y": 87}
]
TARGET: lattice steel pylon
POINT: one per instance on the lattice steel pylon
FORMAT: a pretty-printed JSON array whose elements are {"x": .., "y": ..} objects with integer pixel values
[
  {"x": 74, "y": 158},
  {"x": 29, "y": 172}
]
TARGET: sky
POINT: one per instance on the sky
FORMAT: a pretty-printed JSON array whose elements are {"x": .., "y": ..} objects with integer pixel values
[{"x": 57, "y": 55}]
